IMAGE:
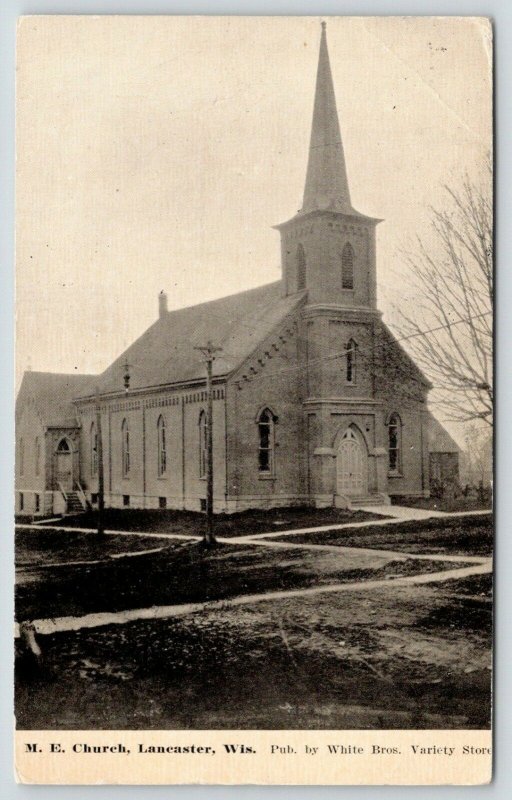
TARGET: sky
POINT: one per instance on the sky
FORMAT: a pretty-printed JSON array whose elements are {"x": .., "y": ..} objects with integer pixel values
[{"x": 157, "y": 153}]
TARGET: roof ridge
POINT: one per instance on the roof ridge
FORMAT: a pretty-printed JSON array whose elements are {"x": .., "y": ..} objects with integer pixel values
[
  {"x": 59, "y": 374},
  {"x": 223, "y": 297},
  {"x": 164, "y": 353}
]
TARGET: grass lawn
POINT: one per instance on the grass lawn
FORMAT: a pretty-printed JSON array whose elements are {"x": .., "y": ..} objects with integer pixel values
[
  {"x": 181, "y": 572},
  {"x": 397, "y": 657},
  {"x": 240, "y": 524},
  {"x": 415, "y": 656},
  {"x": 449, "y": 504},
  {"x": 471, "y": 535},
  {"x": 36, "y": 548}
]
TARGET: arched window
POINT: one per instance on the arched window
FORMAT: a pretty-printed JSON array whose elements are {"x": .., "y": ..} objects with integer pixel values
[
  {"x": 63, "y": 446},
  {"x": 266, "y": 449},
  {"x": 162, "y": 447},
  {"x": 37, "y": 450},
  {"x": 125, "y": 448},
  {"x": 347, "y": 267},
  {"x": 21, "y": 453},
  {"x": 395, "y": 443},
  {"x": 350, "y": 361},
  {"x": 94, "y": 449},
  {"x": 301, "y": 268},
  {"x": 203, "y": 444}
]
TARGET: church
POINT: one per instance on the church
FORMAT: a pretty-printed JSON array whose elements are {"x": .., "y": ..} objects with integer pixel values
[{"x": 315, "y": 402}]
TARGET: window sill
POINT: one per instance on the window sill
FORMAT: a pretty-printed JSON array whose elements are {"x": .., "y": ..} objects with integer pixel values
[
  {"x": 395, "y": 474},
  {"x": 266, "y": 476}
]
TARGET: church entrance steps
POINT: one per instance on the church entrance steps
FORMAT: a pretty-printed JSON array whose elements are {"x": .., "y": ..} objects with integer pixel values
[
  {"x": 73, "y": 504},
  {"x": 369, "y": 501},
  {"x": 96, "y": 620}
]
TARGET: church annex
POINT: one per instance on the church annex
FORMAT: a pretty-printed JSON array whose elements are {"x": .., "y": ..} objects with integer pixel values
[{"x": 315, "y": 402}]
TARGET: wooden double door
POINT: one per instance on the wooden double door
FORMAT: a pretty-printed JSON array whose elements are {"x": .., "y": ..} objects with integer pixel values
[
  {"x": 64, "y": 465},
  {"x": 351, "y": 466}
]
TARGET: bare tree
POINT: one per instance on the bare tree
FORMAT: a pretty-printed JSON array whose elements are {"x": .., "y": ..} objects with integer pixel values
[
  {"x": 449, "y": 330},
  {"x": 476, "y": 467}
]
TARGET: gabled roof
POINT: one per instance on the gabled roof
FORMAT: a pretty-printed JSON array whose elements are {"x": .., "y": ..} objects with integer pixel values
[
  {"x": 439, "y": 440},
  {"x": 165, "y": 353},
  {"x": 51, "y": 394},
  {"x": 412, "y": 367}
]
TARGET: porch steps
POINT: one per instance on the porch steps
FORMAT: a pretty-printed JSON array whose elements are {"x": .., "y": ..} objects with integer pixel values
[
  {"x": 370, "y": 500},
  {"x": 74, "y": 504}
]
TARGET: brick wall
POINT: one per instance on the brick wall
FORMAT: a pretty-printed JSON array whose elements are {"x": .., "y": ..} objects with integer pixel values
[
  {"x": 398, "y": 385},
  {"x": 180, "y": 486},
  {"x": 323, "y": 236},
  {"x": 276, "y": 383},
  {"x": 30, "y": 482}
]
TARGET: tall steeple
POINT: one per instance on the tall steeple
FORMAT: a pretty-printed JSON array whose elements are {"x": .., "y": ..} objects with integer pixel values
[
  {"x": 326, "y": 180},
  {"x": 328, "y": 248}
]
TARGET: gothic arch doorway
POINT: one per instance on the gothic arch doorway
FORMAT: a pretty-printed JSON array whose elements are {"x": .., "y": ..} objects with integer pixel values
[
  {"x": 64, "y": 465},
  {"x": 351, "y": 466}
]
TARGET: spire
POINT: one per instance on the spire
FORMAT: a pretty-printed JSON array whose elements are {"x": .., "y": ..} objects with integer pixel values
[{"x": 326, "y": 180}]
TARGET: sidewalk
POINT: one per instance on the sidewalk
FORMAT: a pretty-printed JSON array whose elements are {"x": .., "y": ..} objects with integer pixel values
[
  {"x": 395, "y": 515},
  {"x": 405, "y": 513},
  {"x": 100, "y": 619}
]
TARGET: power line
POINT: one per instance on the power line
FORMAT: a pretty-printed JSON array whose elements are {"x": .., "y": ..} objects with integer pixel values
[
  {"x": 344, "y": 353},
  {"x": 347, "y": 351}
]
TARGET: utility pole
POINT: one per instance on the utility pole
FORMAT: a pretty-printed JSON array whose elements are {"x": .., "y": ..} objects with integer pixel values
[
  {"x": 101, "y": 476},
  {"x": 208, "y": 352}
]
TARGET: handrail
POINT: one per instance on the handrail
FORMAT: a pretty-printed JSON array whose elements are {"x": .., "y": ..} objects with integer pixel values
[
  {"x": 62, "y": 491},
  {"x": 81, "y": 494}
]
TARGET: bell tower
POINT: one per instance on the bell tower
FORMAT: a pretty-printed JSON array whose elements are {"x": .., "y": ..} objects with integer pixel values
[
  {"x": 328, "y": 252},
  {"x": 328, "y": 248}
]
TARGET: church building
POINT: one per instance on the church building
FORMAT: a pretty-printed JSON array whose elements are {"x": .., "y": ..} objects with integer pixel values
[{"x": 315, "y": 402}]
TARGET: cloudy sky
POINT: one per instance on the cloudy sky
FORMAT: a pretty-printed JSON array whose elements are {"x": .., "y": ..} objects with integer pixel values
[{"x": 158, "y": 152}]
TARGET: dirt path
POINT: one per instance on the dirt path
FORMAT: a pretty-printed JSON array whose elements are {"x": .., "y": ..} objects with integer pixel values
[
  {"x": 372, "y": 551},
  {"x": 61, "y": 624},
  {"x": 69, "y": 529},
  {"x": 395, "y": 520},
  {"x": 404, "y": 513},
  {"x": 262, "y": 540}
]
